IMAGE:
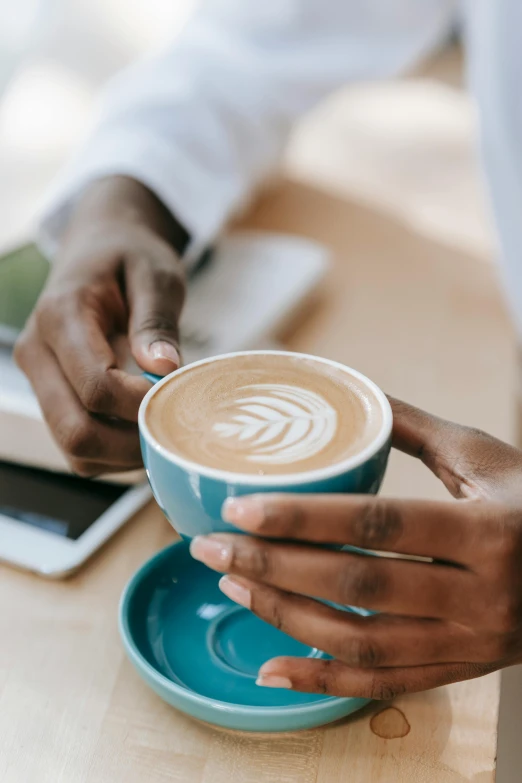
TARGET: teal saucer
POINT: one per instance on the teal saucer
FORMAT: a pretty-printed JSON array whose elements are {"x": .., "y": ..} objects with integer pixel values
[{"x": 201, "y": 653}]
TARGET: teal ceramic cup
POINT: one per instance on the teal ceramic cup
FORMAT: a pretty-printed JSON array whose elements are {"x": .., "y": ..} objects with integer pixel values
[
  {"x": 192, "y": 495},
  {"x": 190, "y": 643}
]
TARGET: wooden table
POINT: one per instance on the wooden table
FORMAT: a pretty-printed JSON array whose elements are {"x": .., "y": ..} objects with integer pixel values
[{"x": 424, "y": 320}]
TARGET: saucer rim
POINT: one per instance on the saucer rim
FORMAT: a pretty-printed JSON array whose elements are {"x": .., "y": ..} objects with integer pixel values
[{"x": 325, "y": 710}]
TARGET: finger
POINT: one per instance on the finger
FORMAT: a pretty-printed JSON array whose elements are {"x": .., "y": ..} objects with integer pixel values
[
  {"x": 362, "y": 642},
  {"x": 469, "y": 462},
  {"x": 81, "y": 436},
  {"x": 155, "y": 292},
  {"x": 414, "y": 431},
  {"x": 387, "y": 585},
  {"x": 78, "y": 337},
  {"x": 337, "y": 679},
  {"x": 436, "y": 442},
  {"x": 433, "y": 529}
]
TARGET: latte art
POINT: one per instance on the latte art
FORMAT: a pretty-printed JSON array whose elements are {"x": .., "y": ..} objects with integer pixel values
[
  {"x": 294, "y": 423},
  {"x": 264, "y": 413}
]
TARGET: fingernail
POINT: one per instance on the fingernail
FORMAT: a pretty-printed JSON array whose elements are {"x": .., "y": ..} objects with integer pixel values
[
  {"x": 272, "y": 681},
  {"x": 236, "y": 591},
  {"x": 248, "y": 512},
  {"x": 163, "y": 350},
  {"x": 215, "y": 554}
]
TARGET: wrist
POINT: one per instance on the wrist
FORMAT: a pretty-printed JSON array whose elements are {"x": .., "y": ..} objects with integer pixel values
[{"x": 123, "y": 200}]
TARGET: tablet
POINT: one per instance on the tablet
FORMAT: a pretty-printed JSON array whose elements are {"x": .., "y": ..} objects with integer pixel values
[{"x": 52, "y": 523}]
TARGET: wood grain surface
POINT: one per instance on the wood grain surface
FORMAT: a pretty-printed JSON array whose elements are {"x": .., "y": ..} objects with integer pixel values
[{"x": 72, "y": 709}]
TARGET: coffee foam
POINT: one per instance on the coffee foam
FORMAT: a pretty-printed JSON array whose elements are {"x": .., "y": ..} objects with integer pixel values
[{"x": 264, "y": 414}]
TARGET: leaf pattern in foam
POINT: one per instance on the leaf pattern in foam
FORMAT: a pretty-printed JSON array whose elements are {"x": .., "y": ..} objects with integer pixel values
[{"x": 280, "y": 423}]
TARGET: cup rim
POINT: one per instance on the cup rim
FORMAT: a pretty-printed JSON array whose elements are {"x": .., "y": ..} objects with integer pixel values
[{"x": 282, "y": 479}]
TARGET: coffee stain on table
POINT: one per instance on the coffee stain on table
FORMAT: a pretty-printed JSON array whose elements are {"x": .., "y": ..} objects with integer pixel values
[{"x": 390, "y": 723}]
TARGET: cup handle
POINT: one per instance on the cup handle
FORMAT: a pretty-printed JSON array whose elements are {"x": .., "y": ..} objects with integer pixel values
[{"x": 152, "y": 378}]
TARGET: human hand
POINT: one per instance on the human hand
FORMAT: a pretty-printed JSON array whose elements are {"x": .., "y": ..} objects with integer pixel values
[
  {"x": 455, "y": 617},
  {"x": 116, "y": 273}
]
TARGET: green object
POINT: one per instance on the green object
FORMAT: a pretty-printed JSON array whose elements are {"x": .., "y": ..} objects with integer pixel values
[{"x": 23, "y": 273}]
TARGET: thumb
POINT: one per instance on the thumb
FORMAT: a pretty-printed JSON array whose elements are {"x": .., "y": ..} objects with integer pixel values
[
  {"x": 155, "y": 291},
  {"x": 470, "y": 463}
]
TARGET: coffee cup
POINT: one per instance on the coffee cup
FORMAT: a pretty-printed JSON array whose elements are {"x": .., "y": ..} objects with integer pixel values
[{"x": 260, "y": 422}]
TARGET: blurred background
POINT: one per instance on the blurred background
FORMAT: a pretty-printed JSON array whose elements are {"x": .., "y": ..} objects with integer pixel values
[
  {"x": 54, "y": 57},
  {"x": 394, "y": 165}
]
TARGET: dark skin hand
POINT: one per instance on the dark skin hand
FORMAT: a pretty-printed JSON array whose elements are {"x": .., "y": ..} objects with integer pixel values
[
  {"x": 117, "y": 273},
  {"x": 453, "y": 618}
]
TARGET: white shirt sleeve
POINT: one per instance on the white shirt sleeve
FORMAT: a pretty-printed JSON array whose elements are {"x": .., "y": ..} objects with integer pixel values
[
  {"x": 495, "y": 64},
  {"x": 204, "y": 122}
]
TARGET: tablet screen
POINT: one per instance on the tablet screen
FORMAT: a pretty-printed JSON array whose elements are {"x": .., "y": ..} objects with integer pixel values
[
  {"x": 23, "y": 273},
  {"x": 60, "y": 504}
]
